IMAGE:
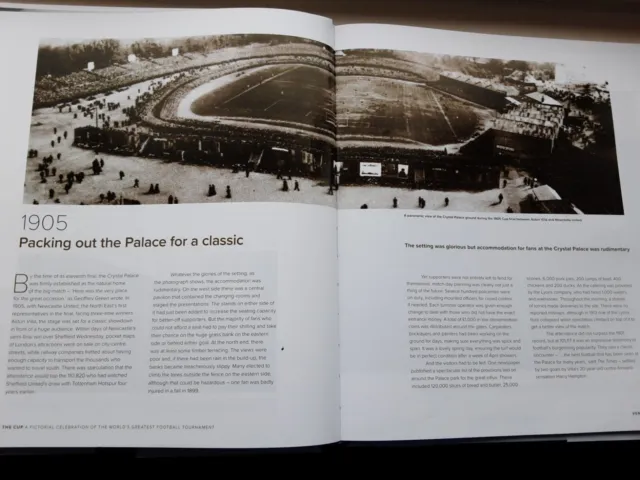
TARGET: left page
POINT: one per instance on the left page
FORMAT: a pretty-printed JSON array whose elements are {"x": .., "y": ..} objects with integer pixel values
[{"x": 169, "y": 231}]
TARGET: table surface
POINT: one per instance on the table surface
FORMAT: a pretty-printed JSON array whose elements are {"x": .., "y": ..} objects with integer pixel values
[
  {"x": 600, "y": 20},
  {"x": 604, "y": 20}
]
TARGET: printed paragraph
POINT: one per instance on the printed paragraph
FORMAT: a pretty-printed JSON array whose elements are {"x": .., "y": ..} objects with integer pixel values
[
  {"x": 213, "y": 331},
  {"x": 581, "y": 325},
  {"x": 71, "y": 332},
  {"x": 461, "y": 332}
]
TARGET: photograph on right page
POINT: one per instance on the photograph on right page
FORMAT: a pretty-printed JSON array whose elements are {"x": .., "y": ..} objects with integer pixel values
[{"x": 466, "y": 134}]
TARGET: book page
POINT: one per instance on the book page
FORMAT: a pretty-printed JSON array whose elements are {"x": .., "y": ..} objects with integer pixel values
[
  {"x": 488, "y": 234},
  {"x": 168, "y": 230},
  {"x": 44, "y": 7}
]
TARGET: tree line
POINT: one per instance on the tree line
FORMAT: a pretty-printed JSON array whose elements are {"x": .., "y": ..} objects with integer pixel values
[{"x": 59, "y": 60}]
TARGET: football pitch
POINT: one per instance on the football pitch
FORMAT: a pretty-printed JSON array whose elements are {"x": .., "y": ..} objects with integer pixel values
[
  {"x": 288, "y": 93},
  {"x": 376, "y": 108}
]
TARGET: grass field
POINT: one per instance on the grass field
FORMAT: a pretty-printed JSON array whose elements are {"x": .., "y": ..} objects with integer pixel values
[
  {"x": 289, "y": 93},
  {"x": 374, "y": 108}
]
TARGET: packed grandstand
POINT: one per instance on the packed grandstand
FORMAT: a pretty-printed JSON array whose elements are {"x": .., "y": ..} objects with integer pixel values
[{"x": 51, "y": 89}]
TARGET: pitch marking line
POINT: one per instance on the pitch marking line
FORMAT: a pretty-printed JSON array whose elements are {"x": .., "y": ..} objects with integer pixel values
[
  {"x": 277, "y": 101},
  {"x": 405, "y": 106},
  {"x": 444, "y": 115},
  {"x": 259, "y": 84}
]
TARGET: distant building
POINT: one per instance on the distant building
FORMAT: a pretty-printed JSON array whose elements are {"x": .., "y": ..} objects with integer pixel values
[
  {"x": 540, "y": 98},
  {"x": 88, "y": 135},
  {"x": 513, "y": 101},
  {"x": 198, "y": 149},
  {"x": 575, "y": 118},
  {"x": 455, "y": 174},
  {"x": 521, "y": 81},
  {"x": 530, "y": 129},
  {"x": 417, "y": 171},
  {"x": 544, "y": 199}
]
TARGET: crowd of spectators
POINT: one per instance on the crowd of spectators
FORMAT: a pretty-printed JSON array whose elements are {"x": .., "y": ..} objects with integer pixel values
[
  {"x": 369, "y": 71},
  {"x": 52, "y": 90},
  {"x": 589, "y": 120},
  {"x": 159, "y": 110}
]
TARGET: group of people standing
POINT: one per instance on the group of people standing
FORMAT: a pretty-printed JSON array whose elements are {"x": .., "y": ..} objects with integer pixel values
[{"x": 212, "y": 191}]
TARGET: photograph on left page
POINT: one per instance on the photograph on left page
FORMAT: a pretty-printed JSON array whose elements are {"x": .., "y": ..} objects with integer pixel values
[{"x": 208, "y": 119}]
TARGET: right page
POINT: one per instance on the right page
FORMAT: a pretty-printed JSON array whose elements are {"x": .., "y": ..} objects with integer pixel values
[{"x": 488, "y": 234}]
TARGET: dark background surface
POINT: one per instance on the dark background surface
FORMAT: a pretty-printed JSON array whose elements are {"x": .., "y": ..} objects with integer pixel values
[
  {"x": 605, "y": 20},
  {"x": 601, "y": 20},
  {"x": 507, "y": 458}
]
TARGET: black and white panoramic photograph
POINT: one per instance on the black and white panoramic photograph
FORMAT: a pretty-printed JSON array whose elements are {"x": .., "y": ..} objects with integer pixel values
[
  {"x": 230, "y": 118},
  {"x": 451, "y": 133}
]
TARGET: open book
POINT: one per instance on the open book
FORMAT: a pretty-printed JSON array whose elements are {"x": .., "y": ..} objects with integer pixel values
[{"x": 250, "y": 228}]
